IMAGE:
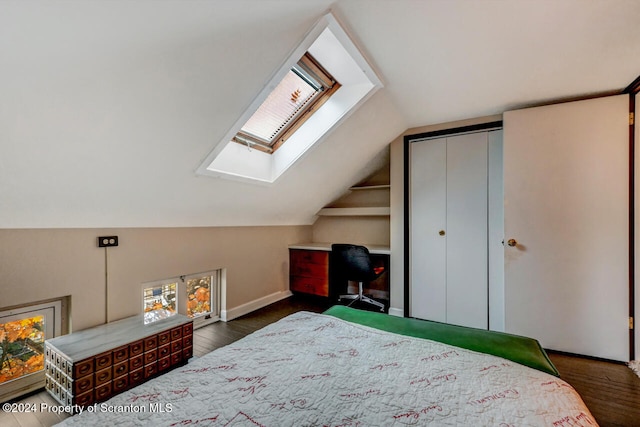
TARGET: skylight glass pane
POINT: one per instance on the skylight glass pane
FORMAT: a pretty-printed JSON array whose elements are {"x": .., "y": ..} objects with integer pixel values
[{"x": 280, "y": 107}]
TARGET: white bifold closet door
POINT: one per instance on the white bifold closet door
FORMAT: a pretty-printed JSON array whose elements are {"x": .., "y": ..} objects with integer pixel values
[
  {"x": 566, "y": 175},
  {"x": 448, "y": 223}
]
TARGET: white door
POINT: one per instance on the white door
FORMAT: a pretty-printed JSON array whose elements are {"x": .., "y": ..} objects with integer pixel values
[
  {"x": 428, "y": 219},
  {"x": 467, "y": 252},
  {"x": 448, "y": 242},
  {"x": 496, "y": 232},
  {"x": 566, "y": 213}
]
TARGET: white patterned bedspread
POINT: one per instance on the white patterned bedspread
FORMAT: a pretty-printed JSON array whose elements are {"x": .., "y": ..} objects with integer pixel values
[{"x": 315, "y": 370}]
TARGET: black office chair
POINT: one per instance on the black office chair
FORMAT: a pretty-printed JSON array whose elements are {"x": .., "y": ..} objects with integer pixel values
[{"x": 352, "y": 262}]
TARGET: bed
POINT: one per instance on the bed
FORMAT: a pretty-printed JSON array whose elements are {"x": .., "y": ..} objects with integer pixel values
[{"x": 346, "y": 367}]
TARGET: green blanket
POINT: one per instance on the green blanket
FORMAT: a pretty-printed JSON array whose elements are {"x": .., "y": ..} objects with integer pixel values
[{"x": 525, "y": 351}]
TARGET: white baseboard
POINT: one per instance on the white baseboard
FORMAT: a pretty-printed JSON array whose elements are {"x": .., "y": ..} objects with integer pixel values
[
  {"x": 398, "y": 312},
  {"x": 241, "y": 310}
]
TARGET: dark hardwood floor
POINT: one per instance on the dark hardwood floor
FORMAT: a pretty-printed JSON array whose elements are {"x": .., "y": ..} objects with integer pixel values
[{"x": 610, "y": 390}]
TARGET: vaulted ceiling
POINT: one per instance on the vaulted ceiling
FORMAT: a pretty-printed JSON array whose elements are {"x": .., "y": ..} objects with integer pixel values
[{"x": 107, "y": 108}]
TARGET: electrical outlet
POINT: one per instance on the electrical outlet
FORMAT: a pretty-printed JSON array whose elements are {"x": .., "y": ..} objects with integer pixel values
[{"x": 107, "y": 241}]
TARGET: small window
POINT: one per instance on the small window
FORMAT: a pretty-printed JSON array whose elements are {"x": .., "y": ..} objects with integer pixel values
[
  {"x": 298, "y": 95},
  {"x": 23, "y": 331},
  {"x": 202, "y": 297},
  {"x": 159, "y": 301},
  {"x": 202, "y": 293},
  {"x": 22, "y": 349},
  {"x": 194, "y": 295}
]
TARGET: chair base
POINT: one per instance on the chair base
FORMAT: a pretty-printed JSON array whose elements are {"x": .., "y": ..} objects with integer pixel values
[{"x": 361, "y": 297}]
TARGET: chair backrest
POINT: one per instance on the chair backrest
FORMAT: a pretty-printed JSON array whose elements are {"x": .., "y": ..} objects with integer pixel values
[{"x": 352, "y": 262}]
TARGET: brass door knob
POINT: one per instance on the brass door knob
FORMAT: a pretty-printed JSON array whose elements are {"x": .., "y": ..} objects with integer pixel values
[
  {"x": 512, "y": 242},
  {"x": 441, "y": 232}
]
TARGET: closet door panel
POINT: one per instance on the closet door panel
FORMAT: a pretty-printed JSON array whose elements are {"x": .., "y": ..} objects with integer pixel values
[
  {"x": 496, "y": 232},
  {"x": 427, "y": 217},
  {"x": 467, "y": 253},
  {"x": 566, "y": 205}
]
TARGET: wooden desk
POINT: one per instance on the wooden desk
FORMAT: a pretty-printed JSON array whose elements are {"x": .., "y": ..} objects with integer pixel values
[
  {"x": 310, "y": 272},
  {"x": 323, "y": 246}
]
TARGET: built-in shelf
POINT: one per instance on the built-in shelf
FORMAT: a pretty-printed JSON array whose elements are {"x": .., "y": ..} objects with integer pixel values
[
  {"x": 370, "y": 187},
  {"x": 360, "y": 202},
  {"x": 359, "y": 211}
]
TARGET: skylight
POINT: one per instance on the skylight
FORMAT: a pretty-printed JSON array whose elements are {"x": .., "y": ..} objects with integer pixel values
[
  {"x": 304, "y": 87},
  {"x": 280, "y": 108},
  {"x": 253, "y": 149}
]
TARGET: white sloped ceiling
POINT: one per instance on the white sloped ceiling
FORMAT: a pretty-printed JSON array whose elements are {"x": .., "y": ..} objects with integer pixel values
[{"x": 107, "y": 108}]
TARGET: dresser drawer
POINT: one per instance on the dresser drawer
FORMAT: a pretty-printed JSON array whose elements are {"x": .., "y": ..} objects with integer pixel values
[
  {"x": 310, "y": 285},
  {"x": 150, "y": 356},
  {"x": 103, "y": 392},
  {"x": 121, "y": 354},
  {"x": 85, "y": 399},
  {"x": 150, "y": 370},
  {"x": 309, "y": 257},
  {"x": 187, "y": 329},
  {"x": 120, "y": 369},
  {"x": 164, "y": 351},
  {"x": 176, "y": 346},
  {"x": 83, "y": 385},
  {"x": 306, "y": 269},
  {"x": 120, "y": 384},
  {"x": 102, "y": 376},
  {"x": 136, "y": 377},
  {"x": 176, "y": 333},
  {"x": 150, "y": 343},
  {"x": 164, "y": 363},
  {"x": 83, "y": 368},
  {"x": 103, "y": 360},
  {"x": 164, "y": 338},
  {"x": 187, "y": 353},
  {"x": 176, "y": 358},
  {"x": 136, "y": 362},
  {"x": 136, "y": 348}
]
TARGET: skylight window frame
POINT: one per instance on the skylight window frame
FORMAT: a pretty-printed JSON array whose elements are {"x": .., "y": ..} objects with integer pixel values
[
  {"x": 331, "y": 45},
  {"x": 312, "y": 72}
]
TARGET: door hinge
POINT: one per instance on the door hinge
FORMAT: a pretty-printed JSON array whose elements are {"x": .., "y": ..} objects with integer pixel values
[
  {"x": 630, "y": 322},
  {"x": 631, "y": 119}
]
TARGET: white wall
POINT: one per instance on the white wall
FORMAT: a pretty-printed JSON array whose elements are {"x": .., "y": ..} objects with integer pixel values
[
  {"x": 396, "y": 239},
  {"x": 363, "y": 230},
  {"x": 38, "y": 264}
]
